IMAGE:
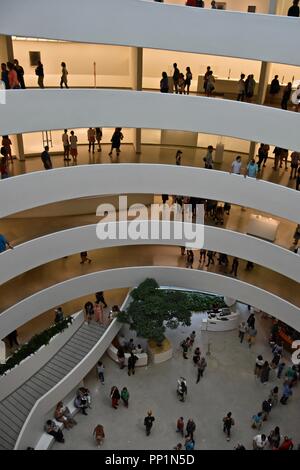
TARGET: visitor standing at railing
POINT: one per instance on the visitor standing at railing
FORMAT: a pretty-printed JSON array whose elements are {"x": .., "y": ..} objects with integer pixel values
[
  {"x": 20, "y": 73},
  {"x": 176, "y": 75},
  {"x": 188, "y": 79},
  {"x": 4, "y": 75},
  {"x": 164, "y": 83}
]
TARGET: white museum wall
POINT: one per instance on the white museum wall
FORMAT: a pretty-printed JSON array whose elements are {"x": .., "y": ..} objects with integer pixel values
[
  {"x": 112, "y": 63},
  {"x": 33, "y": 142}
]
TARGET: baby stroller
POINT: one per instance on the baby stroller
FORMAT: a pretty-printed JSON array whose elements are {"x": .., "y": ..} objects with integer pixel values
[{"x": 181, "y": 389}]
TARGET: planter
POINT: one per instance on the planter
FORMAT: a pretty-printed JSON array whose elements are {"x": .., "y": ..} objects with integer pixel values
[{"x": 159, "y": 354}]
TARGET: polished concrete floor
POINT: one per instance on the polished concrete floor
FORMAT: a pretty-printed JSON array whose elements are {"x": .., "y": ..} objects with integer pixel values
[
  {"x": 228, "y": 385},
  {"x": 153, "y": 154}
]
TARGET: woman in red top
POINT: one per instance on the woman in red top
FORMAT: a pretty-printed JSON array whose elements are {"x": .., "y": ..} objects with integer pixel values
[
  {"x": 287, "y": 444},
  {"x": 12, "y": 76}
]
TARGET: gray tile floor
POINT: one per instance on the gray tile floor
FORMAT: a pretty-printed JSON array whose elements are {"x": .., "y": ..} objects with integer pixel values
[{"x": 228, "y": 385}]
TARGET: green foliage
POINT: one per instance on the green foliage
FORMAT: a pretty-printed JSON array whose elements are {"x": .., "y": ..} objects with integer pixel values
[
  {"x": 152, "y": 309},
  {"x": 34, "y": 344}
]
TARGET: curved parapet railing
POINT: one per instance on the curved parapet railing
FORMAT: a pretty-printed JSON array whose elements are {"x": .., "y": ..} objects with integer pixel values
[
  {"x": 205, "y": 281},
  {"x": 42, "y": 250},
  {"x": 14, "y": 378},
  {"x": 140, "y": 109},
  {"x": 30, "y": 432},
  {"x": 146, "y": 24},
  {"x": 23, "y": 192}
]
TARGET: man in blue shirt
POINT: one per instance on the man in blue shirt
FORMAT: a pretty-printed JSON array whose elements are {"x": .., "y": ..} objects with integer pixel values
[
  {"x": 4, "y": 243},
  {"x": 252, "y": 169}
]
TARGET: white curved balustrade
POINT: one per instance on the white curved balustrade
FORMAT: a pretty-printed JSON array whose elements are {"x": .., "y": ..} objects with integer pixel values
[
  {"x": 24, "y": 192},
  {"x": 40, "y": 110},
  {"x": 48, "y": 248},
  {"x": 58, "y": 294},
  {"x": 147, "y": 24}
]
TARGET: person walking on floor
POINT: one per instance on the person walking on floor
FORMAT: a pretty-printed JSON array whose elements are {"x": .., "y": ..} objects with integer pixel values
[
  {"x": 202, "y": 256},
  {"x": 234, "y": 267},
  {"x": 286, "y": 96},
  {"x": 84, "y": 257},
  {"x": 210, "y": 258},
  {"x": 176, "y": 74},
  {"x": 295, "y": 160},
  {"x": 274, "y": 438},
  {"x": 99, "y": 137},
  {"x": 242, "y": 331},
  {"x": 131, "y": 363},
  {"x": 39, "y": 71},
  {"x": 125, "y": 396},
  {"x": 99, "y": 434},
  {"x": 100, "y": 371},
  {"x": 148, "y": 422},
  {"x": 251, "y": 320},
  {"x": 241, "y": 88},
  {"x": 180, "y": 426},
  {"x": 258, "y": 365},
  {"x": 265, "y": 372},
  {"x": 7, "y": 143},
  {"x": 73, "y": 146},
  {"x": 274, "y": 396},
  {"x": 100, "y": 298},
  {"x": 266, "y": 408},
  {"x": 260, "y": 442},
  {"x": 64, "y": 75},
  {"x": 20, "y": 73},
  {"x": 201, "y": 368},
  {"x": 190, "y": 428},
  {"x": 91, "y": 135},
  {"x": 66, "y": 144},
  {"x": 115, "y": 397},
  {"x": 184, "y": 345},
  {"x": 178, "y": 157},
  {"x": 252, "y": 332},
  {"x": 228, "y": 422},
  {"x": 208, "y": 159},
  {"x": 89, "y": 310},
  {"x": 257, "y": 420},
  {"x": 116, "y": 141},
  {"x": 46, "y": 159},
  {"x": 196, "y": 356},
  {"x": 121, "y": 357},
  {"x": 287, "y": 392}
]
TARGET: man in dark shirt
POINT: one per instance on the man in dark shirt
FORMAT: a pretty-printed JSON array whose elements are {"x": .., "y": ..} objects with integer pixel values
[
  {"x": 294, "y": 9},
  {"x": 20, "y": 73},
  {"x": 148, "y": 422},
  {"x": 46, "y": 159},
  {"x": 176, "y": 74}
]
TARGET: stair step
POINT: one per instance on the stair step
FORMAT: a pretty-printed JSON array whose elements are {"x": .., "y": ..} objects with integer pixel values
[
  {"x": 7, "y": 423},
  {"x": 24, "y": 396},
  {"x": 22, "y": 408},
  {"x": 36, "y": 386},
  {"x": 60, "y": 365},
  {"x": 44, "y": 377},
  {"x": 57, "y": 376},
  {"x": 34, "y": 393},
  {"x": 10, "y": 412}
]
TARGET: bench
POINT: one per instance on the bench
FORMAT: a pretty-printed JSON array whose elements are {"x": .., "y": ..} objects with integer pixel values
[
  {"x": 112, "y": 353},
  {"x": 46, "y": 440}
]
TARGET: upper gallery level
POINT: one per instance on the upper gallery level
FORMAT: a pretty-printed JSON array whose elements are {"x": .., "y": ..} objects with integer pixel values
[{"x": 148, "y": 24}]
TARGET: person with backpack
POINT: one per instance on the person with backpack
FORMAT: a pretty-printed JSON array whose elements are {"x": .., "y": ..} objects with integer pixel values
[
  {"x": 228, "y": 422},
  {"x": 148, "y": 422},
  {"x": 116, "y": 141}
]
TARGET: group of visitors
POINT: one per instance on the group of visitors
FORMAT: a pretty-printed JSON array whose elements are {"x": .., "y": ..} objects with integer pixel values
[
  {"x": 181, "y": 82},
  {"x": 209, "y": 256},
  {"x": 94, "y": 310},
  {"x": 246, "y": 87}
]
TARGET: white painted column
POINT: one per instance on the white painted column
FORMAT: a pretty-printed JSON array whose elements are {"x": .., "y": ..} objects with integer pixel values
[{"x": 137, "y": 84}]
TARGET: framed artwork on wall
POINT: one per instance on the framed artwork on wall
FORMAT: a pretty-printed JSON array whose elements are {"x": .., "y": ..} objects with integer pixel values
[
  {"x": 34, "y": 57},
  {"x": 251, "y": 8}
]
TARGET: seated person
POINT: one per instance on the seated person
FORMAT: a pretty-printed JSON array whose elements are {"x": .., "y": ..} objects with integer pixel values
[
  {"x": 138, "y": 349},
  {"x": 81, "y": 402},
  {"x": 63, "y": 415},
  {"x": 130, "y": 345},
  {"x": 85, "y": 393},
  {"x": 52, "y": 429}
]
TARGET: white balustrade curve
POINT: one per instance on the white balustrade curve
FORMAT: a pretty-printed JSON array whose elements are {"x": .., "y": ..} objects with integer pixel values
[
  {"x": 39, "y": 251},
  {"x": 148, "y": 24},
  {"x": 58, "y": 294},
  {"x": 43, "y": 109},
  {"x": 36, "y": 189}
]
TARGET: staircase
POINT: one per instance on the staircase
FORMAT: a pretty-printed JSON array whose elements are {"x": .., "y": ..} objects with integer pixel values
[{"x": 15, "y": 408}]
